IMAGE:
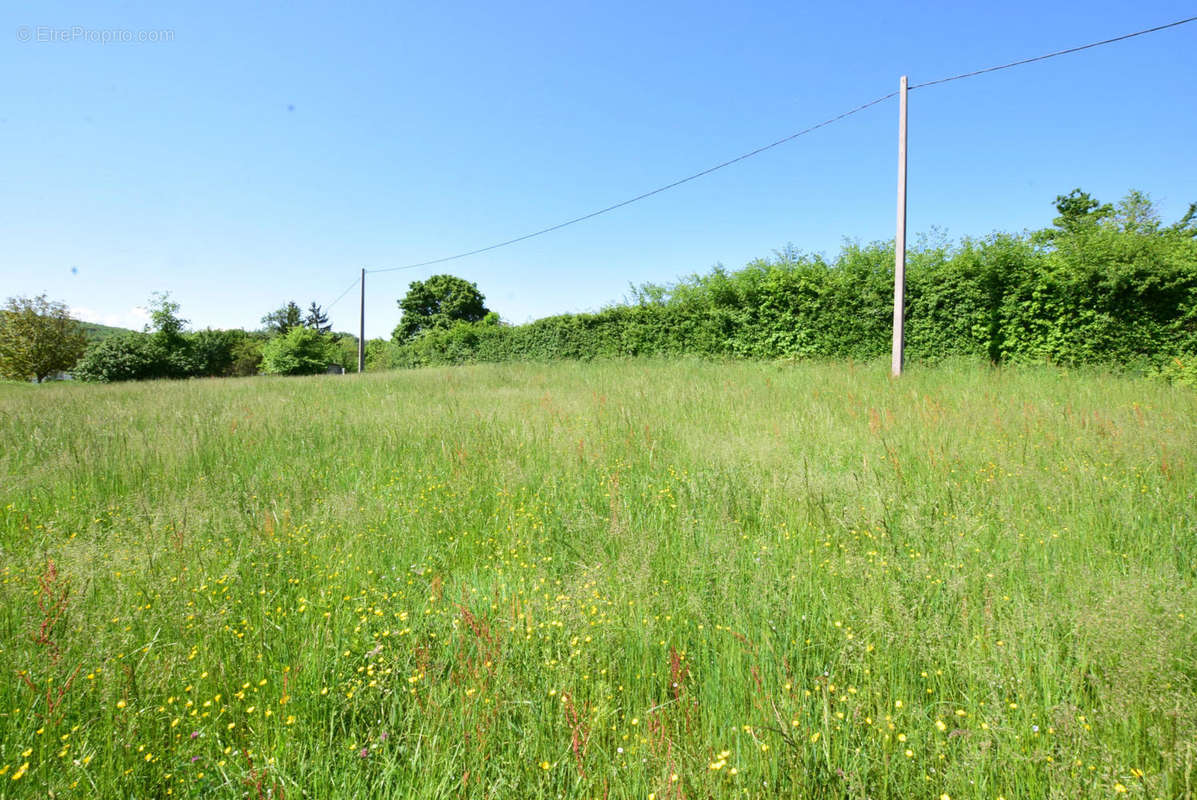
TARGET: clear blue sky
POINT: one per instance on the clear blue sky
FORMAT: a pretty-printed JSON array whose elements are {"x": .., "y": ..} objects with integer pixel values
[{"x": 265, "y": 154}]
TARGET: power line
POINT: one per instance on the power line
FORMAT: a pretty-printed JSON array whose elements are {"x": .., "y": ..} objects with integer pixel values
[
  {"x": 1053, "y": 55},
  {"x": 760, "y": 150},
  {"x": 639, "y": 197},
  {"x": 342, "y": 294}
]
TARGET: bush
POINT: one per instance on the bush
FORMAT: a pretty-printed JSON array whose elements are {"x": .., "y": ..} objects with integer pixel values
[
  {"x": 246, "y": 357},
  {"x": 125, "y": 357},
  {"x": 1106, "y": 285},
  {"x": 301, "y": 351}
]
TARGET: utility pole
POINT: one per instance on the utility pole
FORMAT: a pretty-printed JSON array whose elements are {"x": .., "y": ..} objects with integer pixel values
[
  {"x": 361, "y": 332},
  {"x": 900, "y": 239}
]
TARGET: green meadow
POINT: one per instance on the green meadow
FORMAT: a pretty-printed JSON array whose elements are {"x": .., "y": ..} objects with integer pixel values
[{"x": 624, "y": 579}]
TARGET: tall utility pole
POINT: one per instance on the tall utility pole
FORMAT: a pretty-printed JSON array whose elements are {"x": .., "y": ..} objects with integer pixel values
[
  {"x": 361, "y": 332},
  {"x": 900, "y": 239}
]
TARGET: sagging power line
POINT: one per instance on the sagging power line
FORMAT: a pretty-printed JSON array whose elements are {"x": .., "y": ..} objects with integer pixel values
[{"x": 900, "y": 259}]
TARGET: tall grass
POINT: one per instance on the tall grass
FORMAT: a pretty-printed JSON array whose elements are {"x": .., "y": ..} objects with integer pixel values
[{"x": 621, "y": 580}]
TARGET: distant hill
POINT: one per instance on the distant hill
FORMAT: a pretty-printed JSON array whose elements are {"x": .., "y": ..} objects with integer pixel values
[{"x": 95, "y": 332}]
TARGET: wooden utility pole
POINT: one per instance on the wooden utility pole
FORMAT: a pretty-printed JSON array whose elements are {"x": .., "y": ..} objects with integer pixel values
[
  {"x": 361, "y": 331},
  {"x": 900, "y": 239}
]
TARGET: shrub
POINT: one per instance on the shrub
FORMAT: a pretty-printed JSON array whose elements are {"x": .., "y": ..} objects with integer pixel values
[
  {"x": 125, "y": 357},
  {"x": 301, "y": 351}
]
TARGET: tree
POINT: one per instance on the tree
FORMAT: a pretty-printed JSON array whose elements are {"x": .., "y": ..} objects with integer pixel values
[
  {"x": 282, "y": 320},
  {"x": 316, "y": 319},
  {"x": 38, "y": 338},
  {"x": 440, "y": 302},
  {"x": 301, "y": 351},
  {"x": 247, "y": 357},
  {"x": 127, "y": 356},
  {"x": 1079, "y": 210},
  {"x": 212, "y": 352},
  {"x": 174, "y": 349}
]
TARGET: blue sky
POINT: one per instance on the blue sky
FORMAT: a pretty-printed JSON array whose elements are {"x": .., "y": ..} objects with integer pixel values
[{"x": 267, "y": 154}]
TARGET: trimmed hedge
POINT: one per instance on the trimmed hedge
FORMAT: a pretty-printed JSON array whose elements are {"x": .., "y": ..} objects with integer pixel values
[{"x": 1108, "y": 289}]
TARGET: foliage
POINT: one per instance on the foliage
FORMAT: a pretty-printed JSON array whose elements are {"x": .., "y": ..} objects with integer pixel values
[
  {"x": 213, "y": 352},
  {"x": 38, "y": 338},
  {"x": 168, "y": 350},
  {"x": 246, "y": 357},
  {"x": 346, "y": 351},
  {"x": 300, "y": 351},
  {"x": 1107, "y": 284},
  {"x": 127, "y": 357},
  {"x": 383, "y": 354},
  {"x": 772, "y": 580},
  {"x": 438, "y": 303},
  {"x": 280, "y": 321},
  {"x": 316, "y": 319}
]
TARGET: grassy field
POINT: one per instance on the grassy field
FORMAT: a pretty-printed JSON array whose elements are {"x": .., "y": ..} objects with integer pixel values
[{"x": 624, "y": 580}]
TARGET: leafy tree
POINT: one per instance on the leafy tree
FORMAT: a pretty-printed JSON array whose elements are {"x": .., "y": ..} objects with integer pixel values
[
  {"x": 126, "y": 357},
  {"x": 346, "y": 345},
  {"x": 316, "y": 319},
  {"x": 1079, "y": 210},
  {"x": 164, "y": 317},
  {"x": 174, "y": 348},
  {"x": 300, "y": 351},
  {"x": 380, "y": 355},
  {"x": 38, "y": 338},
  {"x": 211, "y": 352},
  {"x": 247, "y": 357},
  {"x": 438, "y": 303},
  {"x": 282, "y": 320}
]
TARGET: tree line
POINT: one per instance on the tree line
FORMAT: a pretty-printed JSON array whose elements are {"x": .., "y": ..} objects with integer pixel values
[
  {"x": 1106, "y": 284},
  {"x": 39, "y": 340},
  {"x": 1103, "y": 284}
]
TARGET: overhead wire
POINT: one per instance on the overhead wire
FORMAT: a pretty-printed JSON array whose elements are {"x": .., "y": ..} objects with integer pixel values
[
  {"x": 762, "y": 149},
  {"x": 342, "y": 294},
  {"x": 645, "y": 195},
  {"x": 1046, "y": 56}
]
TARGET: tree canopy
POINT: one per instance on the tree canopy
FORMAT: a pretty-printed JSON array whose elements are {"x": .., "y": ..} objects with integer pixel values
[
  {"x": 283, "y": 319},
  {"x": 316, "y": 319},
  {"x": 438, "y": 303},
  {"x": 38, "y": 338},
  {"x": 301, "y": 351}
]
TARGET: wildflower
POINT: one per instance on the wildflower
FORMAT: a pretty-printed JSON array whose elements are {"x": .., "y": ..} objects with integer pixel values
[
  {"x": 545, "y": 765},
  {"x": 1118, "y": 787},
  {"x": 364, "y": 752},
  {"x": 814, "y": 737}
]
